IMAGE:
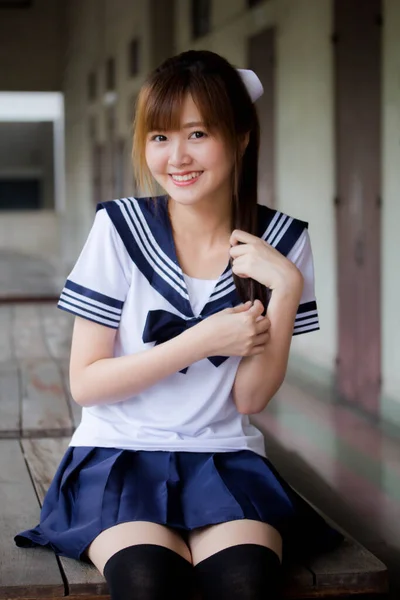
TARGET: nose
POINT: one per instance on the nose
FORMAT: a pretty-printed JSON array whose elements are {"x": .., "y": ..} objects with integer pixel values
[{"x": 179, "y": 155}]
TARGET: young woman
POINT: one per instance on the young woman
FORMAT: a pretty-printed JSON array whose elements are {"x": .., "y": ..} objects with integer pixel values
[{"x": 185, "y": 308}]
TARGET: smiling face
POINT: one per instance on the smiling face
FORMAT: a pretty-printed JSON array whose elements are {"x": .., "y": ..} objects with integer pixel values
[{"x": 191, "y": 163}]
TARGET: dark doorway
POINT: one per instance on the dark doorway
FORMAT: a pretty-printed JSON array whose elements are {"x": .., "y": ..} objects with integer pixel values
[{"x": 19, "y": 194}]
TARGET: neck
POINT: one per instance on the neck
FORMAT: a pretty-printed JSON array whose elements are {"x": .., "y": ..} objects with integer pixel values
[{"x": 205, "y": 222}]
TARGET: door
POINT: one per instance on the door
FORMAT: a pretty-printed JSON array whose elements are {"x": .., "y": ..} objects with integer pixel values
[{"x": 357, "y": 53}]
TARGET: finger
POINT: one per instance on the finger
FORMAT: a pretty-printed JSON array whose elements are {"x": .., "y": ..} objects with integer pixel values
[
  {"x": 238, "y": 236},
  {"x": 263, "y": 326},
  {"x": 262, "y": 339},
  {"x": 240, "y": 266},
  {"x": 256, "y": 350},
  {"x": 238, "y": 250},
  {"x": 257, "y": 309},
  {"x": 241, "y": 307}
]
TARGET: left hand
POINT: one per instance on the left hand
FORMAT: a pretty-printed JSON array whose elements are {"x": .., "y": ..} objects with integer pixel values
[{"x": 253, "y": 257}]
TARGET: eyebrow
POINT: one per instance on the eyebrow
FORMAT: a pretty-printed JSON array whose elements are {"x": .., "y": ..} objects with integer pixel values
[
  {"x": 193, "y": 124},
  {"x": 185, "y": 126}
]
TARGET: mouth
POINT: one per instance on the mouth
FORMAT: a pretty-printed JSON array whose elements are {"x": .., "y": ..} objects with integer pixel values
[{"x": 185, "y": 178}]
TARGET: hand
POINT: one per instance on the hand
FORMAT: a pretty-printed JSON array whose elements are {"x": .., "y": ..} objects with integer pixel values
[
  {"x": 253, "y": 257},
  {"x": 238, "y": 331}
]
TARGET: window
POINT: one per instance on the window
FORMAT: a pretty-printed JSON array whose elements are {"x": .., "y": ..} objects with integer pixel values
[
  {"x": 92, "y": 86},
  {"x": 201, "y": 17},
  {"x": 134, "y": 57},
  {"x": 110, "y": 74}
]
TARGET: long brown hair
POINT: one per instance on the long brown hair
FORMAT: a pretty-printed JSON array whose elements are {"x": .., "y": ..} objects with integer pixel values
[{"x": 225, "y": 105}]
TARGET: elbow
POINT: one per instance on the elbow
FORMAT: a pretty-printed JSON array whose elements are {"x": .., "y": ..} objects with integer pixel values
[
  {"x": 79, "y": 393},
  {"x": 253, "y": 408},
  {"x": 254, "y": 403}
]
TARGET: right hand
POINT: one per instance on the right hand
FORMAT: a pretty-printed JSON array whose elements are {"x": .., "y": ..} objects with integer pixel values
[{"x": 238, "y": 331}]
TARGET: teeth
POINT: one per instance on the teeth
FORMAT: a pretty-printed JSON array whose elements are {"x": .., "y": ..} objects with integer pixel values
[{"x": 186, "y": 177}]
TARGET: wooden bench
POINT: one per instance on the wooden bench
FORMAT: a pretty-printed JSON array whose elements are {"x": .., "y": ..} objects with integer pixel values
[
  {"x": 36, "y": 411},
  {"x": 26, "y": 469}
]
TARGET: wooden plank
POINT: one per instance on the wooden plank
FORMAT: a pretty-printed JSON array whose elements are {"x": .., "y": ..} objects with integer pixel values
[
  {"x": 7, "y": 354},
  {"x": 350, "y": 568},
  {"x": 43, "y": 457},
  {"x": 45, "y": 410},
  {"x": 10, "y": 405},
  {"x": 28, "y": 338},
  {"x": 57, "y": 327},
  {"x": 24, "y": 572},
  {"x": 298, "y": 582}
]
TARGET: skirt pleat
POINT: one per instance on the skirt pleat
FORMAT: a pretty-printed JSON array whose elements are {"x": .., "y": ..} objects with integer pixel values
[{"x": 97, "y": 488}]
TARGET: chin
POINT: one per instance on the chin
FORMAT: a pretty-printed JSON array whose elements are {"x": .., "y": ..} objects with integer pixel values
[{"x": 184, "y": 196}]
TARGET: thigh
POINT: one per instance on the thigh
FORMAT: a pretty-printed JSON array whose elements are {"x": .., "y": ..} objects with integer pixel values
[
  {"x": 111, "y": 540},
  {"x": 208, "y": 540}
]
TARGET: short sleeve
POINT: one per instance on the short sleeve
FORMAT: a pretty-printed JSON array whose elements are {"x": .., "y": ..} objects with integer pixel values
[
  {"x": 98, "y": 284},
  {"x": 307, "y": 313}
]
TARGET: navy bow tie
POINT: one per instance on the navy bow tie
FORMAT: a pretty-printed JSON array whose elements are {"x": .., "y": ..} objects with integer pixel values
[{"x": 162, "y": 326}]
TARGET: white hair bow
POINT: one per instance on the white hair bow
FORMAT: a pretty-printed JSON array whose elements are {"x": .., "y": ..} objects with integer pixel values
[{"x": 252, "y": 83}]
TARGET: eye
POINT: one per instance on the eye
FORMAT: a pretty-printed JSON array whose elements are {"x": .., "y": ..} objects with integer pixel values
[
  {"x": 155, "y": 138},
  {"x": 198, "y": 135}
]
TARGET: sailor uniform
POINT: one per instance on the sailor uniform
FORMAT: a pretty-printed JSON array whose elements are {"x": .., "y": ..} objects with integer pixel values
[{"x": 179, "y": 453}]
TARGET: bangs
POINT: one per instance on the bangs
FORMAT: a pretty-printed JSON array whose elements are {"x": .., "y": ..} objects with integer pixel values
[{"x": 163, "y": 102}]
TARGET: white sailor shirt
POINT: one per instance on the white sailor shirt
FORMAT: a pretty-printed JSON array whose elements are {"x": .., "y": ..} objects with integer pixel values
[{"x": 128, "y": 277}]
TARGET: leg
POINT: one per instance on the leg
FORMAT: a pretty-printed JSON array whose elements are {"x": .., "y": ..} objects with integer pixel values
[
  {"x": 123, "y": 535},
  {"x": 239, "y": 560},
  {"x": 206, "y": 541},
  {"x": 143, "y": 561}
]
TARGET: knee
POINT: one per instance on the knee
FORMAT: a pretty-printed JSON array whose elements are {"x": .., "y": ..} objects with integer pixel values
[
  {"x": 242, "y": 572},
  {"x": 148, "y": 572}
]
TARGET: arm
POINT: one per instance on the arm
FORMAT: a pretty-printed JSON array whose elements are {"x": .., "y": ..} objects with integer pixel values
[
  {"x": 259, "y": 377},
  {"x": 96, "y": 377}
]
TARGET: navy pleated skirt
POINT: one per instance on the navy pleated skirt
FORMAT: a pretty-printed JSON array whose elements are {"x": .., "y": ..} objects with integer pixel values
[{"x": 96, "y": 488}]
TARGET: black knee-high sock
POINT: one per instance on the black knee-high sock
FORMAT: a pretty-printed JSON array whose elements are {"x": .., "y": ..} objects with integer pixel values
[
  {"x": 148, "y": 572},
  {"x": 243, "y": 572}
]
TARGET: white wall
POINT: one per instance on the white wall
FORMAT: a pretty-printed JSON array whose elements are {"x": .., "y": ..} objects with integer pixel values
[{"x": 305, "y": 158}]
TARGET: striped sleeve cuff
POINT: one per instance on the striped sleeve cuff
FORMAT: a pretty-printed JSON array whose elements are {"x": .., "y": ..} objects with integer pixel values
[
  {"x": 87, "y": 303},
  {"x": 306, "y": 318}
]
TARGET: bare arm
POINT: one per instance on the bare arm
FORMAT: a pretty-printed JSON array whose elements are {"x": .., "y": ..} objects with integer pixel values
[
  {"x": 259, "y": 377},
  {"x": 97, "y": 377}
]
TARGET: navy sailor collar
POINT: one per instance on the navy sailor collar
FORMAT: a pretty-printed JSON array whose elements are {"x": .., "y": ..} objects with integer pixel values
[{"x": 145, "y": 229}]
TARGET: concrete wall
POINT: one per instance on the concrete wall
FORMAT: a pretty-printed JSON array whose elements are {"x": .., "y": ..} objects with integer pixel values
[
  {"x": 31, "y": 232},
  {"x": 32, "y": 42}
]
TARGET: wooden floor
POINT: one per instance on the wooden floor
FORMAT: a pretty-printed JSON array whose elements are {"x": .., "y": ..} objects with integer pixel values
[
  {"x": 34, "y": 350},
  {"x": 37, "y": 417}
]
